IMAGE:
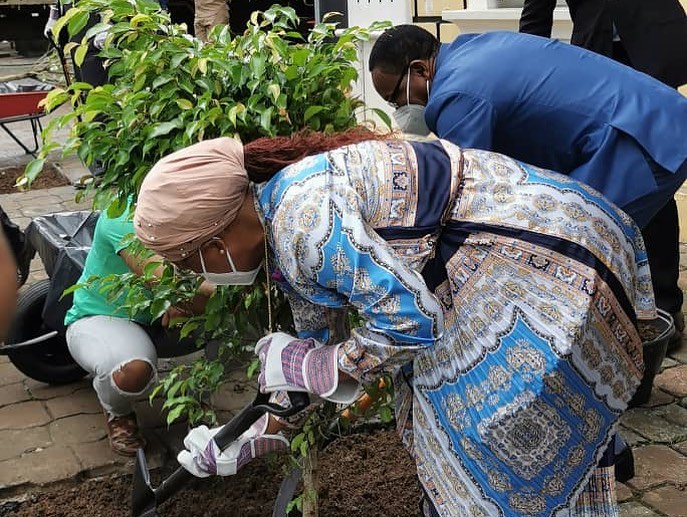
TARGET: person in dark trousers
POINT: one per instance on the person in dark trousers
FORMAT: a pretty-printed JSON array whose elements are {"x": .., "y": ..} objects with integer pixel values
[
  {"x": 649, "y": 36},
  {"x": 549, "y": 104},
  {"x": 92, "y": 69}
]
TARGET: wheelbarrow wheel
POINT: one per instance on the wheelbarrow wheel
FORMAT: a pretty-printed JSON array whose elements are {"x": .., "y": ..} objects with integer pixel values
[{"x": 49, "y": 361}]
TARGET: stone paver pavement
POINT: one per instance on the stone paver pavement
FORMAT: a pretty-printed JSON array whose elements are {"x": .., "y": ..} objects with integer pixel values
[{"x": 49, "y": 434}]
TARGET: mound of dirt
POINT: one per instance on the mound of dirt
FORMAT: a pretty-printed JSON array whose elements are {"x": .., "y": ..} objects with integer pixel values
[
  {"x": 50, "y": 177},
  {"x": 360, "y": 476}
]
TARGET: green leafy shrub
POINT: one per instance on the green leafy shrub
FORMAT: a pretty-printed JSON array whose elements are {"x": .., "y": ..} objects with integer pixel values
[{"x": 168, "y": 90}]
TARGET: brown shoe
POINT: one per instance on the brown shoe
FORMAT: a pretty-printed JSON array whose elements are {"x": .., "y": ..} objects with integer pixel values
[{"x": 125, "y": 437}]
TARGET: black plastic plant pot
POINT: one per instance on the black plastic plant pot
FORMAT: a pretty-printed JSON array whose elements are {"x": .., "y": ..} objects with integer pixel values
[{"x": 654, "y": 353}]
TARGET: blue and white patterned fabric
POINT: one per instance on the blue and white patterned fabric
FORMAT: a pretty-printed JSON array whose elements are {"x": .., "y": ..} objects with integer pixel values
[{"x": 513, "y": 292}]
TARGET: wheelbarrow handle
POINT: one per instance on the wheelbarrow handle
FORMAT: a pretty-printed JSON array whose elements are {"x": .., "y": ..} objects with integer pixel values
[{"x": 231, "y": 431}]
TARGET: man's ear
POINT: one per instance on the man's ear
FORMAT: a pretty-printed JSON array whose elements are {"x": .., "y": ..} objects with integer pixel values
[{"x": 421, "y": 67}]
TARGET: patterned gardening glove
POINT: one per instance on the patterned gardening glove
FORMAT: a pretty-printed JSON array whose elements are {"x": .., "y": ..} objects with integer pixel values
[
  {"x": 291, "y": 364},
  {"x": 202, "y": 456}
]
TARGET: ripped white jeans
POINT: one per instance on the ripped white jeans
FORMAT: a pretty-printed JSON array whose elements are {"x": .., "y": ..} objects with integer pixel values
[{"x": 102, "y": 345}]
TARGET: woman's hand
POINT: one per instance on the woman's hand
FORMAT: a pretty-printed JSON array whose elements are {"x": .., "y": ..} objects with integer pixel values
[
  {"x": 174, "y": 313},
  {"x": 291, "y": 364},
  {"x": 202, "y": 457}
]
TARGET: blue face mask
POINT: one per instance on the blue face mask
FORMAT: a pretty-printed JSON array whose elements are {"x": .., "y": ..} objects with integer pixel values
[{"x": 233, "y": 277}]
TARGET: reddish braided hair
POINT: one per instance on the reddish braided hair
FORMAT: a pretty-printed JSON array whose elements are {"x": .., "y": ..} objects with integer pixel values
[{"x": 266, "y": 156}]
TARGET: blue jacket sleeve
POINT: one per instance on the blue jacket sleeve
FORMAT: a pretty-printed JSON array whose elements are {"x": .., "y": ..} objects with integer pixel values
[{"x": 463, "y": 119}]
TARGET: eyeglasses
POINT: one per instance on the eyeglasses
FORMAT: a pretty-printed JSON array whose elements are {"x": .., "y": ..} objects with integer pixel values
[{"x": 394, "y": 94}]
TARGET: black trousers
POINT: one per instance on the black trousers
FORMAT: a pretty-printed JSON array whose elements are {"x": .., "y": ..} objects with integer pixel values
[{"x": 662, "y": 239}]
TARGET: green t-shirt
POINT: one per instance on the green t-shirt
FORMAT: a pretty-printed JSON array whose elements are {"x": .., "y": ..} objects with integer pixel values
[{"x": 103, "y": 259}]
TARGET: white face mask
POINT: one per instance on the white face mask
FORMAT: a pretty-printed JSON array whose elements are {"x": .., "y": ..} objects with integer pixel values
[
  {"x": 411, "y": 117},
  {"x": 233, "y": 277}
]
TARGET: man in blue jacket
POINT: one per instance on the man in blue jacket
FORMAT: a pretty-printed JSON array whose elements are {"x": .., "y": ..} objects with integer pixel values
[{"x": 545, "y": 103}]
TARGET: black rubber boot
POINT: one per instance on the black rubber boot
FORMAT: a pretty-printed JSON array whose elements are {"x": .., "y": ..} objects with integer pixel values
[{"x": 624, "y": 465}]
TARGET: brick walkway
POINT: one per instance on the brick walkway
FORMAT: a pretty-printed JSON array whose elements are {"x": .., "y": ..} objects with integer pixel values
[{"x": 52, "y": 434}]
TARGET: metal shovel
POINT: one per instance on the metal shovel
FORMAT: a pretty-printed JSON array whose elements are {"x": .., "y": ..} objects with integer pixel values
[{"x": 145, "y": 498}]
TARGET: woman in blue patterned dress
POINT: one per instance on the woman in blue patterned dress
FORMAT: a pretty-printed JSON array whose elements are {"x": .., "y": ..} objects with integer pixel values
[{"x": 503, "y": 298}]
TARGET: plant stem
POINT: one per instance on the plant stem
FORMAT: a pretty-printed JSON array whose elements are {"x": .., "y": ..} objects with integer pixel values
[{"x": 310, "y": 483}]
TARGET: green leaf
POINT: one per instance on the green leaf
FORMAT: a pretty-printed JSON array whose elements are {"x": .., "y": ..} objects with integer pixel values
[
  {"x": 150, "y": 268},
  {"x": 177, "y": 59},
  {"x": 311, "y": 112},
  {"x": 33, "y": 169},
  {"x": 80, "y": 54},
  {"x": 163, "y": 129},
  {"x": 78, "y": 22},
  {"x": 161, "y": 81},
  {"x": 140, "y": 82},
  {"x": 174, "y": 401},
  {"x": 295, "y": 504},
  {"x": 184, "y": 104},
  {"x": 55, "y": 98},
  {"x": 159, "y": 307},
  {"x": 175, "y": 414},
  {"x": 385, "y": 414},
  {"x": 266, "y": 119},
  {"x": 70, "y": 290},
  {"x": 96, "y": 29},
  {"x": 253, "y": 368},
  {"x": 61, "y": 22},
  {"x": 297, "y": 441},
  {"x": 188, "y": 328},
  {"x": 174, "y": 389},
  {"x": 274, "y": 90}
]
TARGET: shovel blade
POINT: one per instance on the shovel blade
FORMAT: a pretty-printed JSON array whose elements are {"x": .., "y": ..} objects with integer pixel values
[{"x": 143, "y": 499}]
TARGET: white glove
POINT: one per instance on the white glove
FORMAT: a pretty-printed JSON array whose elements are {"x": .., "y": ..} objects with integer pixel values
[
  {"x": 99, "y": 40},
  {"x": 52, "y": 18},
  {"x": 203, "y": 458},
  {"x": 291, "y": 364}
]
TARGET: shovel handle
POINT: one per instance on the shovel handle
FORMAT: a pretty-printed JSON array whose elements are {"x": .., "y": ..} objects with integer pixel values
[{"x": 261, "y": 404}]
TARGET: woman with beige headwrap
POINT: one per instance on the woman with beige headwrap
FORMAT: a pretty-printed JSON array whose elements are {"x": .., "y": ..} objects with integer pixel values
[{"x": 501, "y": 297}]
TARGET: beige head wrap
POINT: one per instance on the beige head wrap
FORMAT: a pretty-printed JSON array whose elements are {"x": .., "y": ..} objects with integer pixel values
[{"x": 190, "y": 196}]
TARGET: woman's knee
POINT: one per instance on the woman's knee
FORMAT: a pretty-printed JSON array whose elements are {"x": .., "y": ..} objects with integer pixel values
[{"x": 133, "y": 376}]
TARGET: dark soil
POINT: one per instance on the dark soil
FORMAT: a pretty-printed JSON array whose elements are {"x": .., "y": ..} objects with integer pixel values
[
  {"x": 648, "y": 331},
  {"x": 360, "y": 476},
  {"x": 50, "y": 177}
]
